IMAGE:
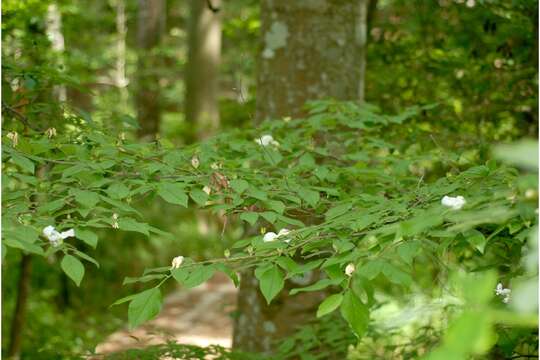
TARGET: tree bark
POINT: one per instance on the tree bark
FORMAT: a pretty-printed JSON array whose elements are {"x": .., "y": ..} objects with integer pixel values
[
  {"x": 17, "y": 323},
  {"x": 311, "y": 50},
  {"x": 54, "y": 33},
  {"x": 120, "y": 78},
  {"x": 151, "y": 26},
  {"x": 202, "y": 72}
]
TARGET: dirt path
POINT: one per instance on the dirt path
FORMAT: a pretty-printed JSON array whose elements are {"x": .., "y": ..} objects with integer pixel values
[{"x": 198, "y": 316}]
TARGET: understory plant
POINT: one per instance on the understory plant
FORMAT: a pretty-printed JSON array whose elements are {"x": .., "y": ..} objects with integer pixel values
[{"x": 391, "y": 220}]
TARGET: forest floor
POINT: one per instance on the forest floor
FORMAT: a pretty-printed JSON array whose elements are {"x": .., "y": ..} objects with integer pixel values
[{"x": 198, "y": 316}]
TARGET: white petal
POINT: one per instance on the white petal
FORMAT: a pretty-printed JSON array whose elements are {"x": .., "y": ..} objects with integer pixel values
[
  {"x": 350, "y": 269},
  {"x": 177, "y": 261},
  {"x": 48, "y": 230},
  {"x": 66, "y": 234},
  {"x": 269, "y": 236},
  {"x": 455, "y": 203},
  {"x": 447, "y": 201},
  {"x": 284, "y": 232}
]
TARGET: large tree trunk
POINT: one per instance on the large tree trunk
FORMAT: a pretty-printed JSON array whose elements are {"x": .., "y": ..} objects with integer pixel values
[
  {"x": 19, "y": 316},
  {"x": 202, "y": 82},
  {"x": 151, "y": 26},
  {"x": 311, "y": 50}
]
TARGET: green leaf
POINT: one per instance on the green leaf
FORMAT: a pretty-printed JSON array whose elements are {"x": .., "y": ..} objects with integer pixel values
[
  {"x": 269, "y": 216},
  {"x": 118, "y": 191},
  {"x": 271, "y": 282},
  {"x": 337, "y": 211},
  {"x": 23, "y": 162},
  {"x": 86, "y": 257},
  {"x": 87, "y": 236},
  {"x": 123, "y": 300},
  {"x": 73, "y": 268},
  {"x": 239, "y": 185},
  {"x": 287, "y": 264},
  {"x": 180, "y": 274},
  {"x": 70, "y": 171},
  {"x": 273, "y": 157},
  {"x": 276, "y": 205},
  {"x": 408, "y": 250},
  {"x": 355, "y": 313},
  {"x": 291, "y": 221},
  {"x": 306, "y": 160},
  {"x": 309, "y": 196},
  {"x": 476, "y": 239},
  {"x": 142, "y": 279},
  {"x": 173, "y": 193},
  {"x": 257, "y": 194},
  {"x": 420, "y": 223},
  {"x": 396, "y": 275},
  {"x": 198, "y": 196},
  {"x": 329, "y": 304},
  {"x": 198, "y": 276},
  {"x": 86, "y": 198},
  {"x": 319, "y": 285},
  {"x": 129, "y": 224},
  {"x": 371, "y": 269},
  {"x": 51, "y": 207},
  {"x": 23, "y": 245},
  {"x": 250, "y": 217},
  {"x": 144, "y": 306},
  {"x": 321, "y": 173}
]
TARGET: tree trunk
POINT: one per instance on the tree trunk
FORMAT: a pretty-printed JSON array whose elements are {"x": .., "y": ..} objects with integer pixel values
[
  {"x": 54, "y": 33},
  {"x": 17, "y": 323},
  {"x": 120, "y": 78},
  {"x": 151, "y": 26},
  {"x": 311, "y": 50},
  {"x": 202, "y": 72}
]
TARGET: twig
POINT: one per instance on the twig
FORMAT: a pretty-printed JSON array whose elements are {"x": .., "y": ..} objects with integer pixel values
[{"x": 18, "y": 115}]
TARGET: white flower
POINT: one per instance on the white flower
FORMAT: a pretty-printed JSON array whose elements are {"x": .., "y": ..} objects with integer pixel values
[
  {"x": 349, "y": 269},
  {"x": 55, "y": 237},
  {"x": 14, "y": 137},
  {"x": 115, "y": 224},
  {"x": 270, "y": 236},
  {"x": 505, "y": 293},
  {"x": 284, "y": 232},
  {"x": 207, "y": 190},
  {"x": 50, "y": 132},
  {"x": 455, "y": 203},
  {"x": 176, "y": 262},
  {"x": 266, "y": 140},
  {"x": 195, "y": 162}
]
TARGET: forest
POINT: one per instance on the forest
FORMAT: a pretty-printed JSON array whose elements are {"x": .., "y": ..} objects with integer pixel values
[{"x": 273, "y": 179}]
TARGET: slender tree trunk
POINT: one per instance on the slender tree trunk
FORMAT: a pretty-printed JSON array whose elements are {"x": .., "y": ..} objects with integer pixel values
[
  {"x": 120, "y": 78},
  {"x": 18, "y": 320},
  {"x": 54, "y": 33},
  {"x": 311, "y": 50},
  {"x": 151, "y": 26},
  {"x": 202, "y": 73}
]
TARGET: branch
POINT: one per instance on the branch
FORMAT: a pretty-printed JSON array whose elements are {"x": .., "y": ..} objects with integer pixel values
[{"x": 18, "y": 115}]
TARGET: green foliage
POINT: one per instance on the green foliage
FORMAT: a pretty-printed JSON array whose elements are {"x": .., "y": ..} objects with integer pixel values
[
  {"x": 374, "y": 212},
  {"x": 73, "y": 268},
  {"x": 353, "y": 184}
]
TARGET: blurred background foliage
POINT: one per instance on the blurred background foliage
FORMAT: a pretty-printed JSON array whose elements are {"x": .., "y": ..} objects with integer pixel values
[{"x": 478, "y": 60}]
